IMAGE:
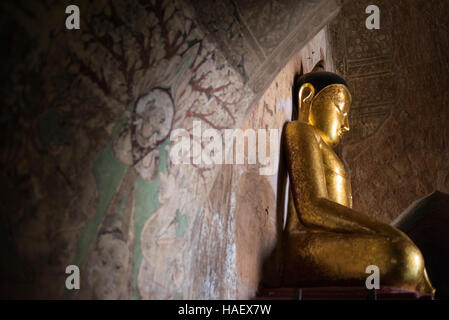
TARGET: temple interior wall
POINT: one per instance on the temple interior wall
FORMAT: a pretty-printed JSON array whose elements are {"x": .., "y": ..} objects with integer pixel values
[
  {"x": 87, "y": 116},
  {"x": 86, "y": 124},
  {"x": 397, "y": 149}
]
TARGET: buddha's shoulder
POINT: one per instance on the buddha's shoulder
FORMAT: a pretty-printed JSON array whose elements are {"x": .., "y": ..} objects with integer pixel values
[{"x": 301, "y": 130}]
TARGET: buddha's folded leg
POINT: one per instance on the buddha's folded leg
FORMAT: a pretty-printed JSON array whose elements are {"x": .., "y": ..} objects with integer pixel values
[{"x": 335, "y": 259}]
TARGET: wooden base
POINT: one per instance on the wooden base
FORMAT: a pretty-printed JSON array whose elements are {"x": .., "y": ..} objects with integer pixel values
[{"x": 338, "y": 293}]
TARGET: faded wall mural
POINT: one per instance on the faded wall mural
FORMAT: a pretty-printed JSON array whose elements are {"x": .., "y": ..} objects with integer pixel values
[
  {"x": 87, "y": 116},
  {"x": 86, "y": 122}
]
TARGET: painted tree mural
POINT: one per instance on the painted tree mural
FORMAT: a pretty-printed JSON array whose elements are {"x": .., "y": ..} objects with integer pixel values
[{"x": 100, "y": 104}]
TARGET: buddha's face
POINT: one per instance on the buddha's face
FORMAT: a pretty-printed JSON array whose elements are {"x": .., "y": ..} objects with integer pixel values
[{"x": 329, "y": 113}]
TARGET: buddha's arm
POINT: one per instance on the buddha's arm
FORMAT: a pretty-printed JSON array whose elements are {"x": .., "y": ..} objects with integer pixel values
[{"x": 308, "y": 185}]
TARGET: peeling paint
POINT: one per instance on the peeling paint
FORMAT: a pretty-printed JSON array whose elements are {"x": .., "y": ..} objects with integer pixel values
[
  {"x": 108, "y": 172},
  {"x": 146, "y": 204},
  {"x": 181, "y": 223}
]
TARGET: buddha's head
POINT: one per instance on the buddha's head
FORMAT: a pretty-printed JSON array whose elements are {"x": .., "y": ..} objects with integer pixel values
[{"x": 324, "y": 100}]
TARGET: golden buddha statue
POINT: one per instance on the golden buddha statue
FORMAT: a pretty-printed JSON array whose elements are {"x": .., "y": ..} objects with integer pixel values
[{"x": 326, "y": 242}]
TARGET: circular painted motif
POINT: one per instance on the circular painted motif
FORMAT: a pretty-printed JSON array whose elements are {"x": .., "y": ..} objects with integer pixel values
[{"x": 154, "y": 115}]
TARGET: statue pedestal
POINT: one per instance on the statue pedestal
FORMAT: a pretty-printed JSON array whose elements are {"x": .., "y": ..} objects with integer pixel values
[{"x": 338, "y": 293}]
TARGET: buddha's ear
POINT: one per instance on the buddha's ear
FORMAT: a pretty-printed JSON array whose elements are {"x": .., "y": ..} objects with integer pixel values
[{"x": 305, "y": 96}]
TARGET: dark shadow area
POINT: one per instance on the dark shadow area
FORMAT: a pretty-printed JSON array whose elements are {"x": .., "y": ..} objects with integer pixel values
[
  {"x": 426, "y": 222},
  {"x": 272, "y": 265}
]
